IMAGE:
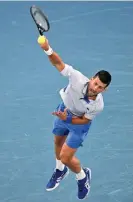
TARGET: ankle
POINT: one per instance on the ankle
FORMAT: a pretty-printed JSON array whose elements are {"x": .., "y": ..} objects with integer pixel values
[
  {"x": 81, "y": 175},
  {"x": 59, "y": 165}
]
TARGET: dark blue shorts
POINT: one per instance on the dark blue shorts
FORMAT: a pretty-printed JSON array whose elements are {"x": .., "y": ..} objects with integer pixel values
[{"x": 75, "y": 133}]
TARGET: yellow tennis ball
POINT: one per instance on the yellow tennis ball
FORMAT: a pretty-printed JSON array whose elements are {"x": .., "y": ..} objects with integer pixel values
[{"x": 41, "y": 40}]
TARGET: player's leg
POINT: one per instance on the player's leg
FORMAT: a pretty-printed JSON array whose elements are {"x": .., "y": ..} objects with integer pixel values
[
  {"x": 58, "y": 143},
  {"x": 67, "y": 156},
  {"x": 61, "y": 170},
  {"x": 60, "y": 132}
]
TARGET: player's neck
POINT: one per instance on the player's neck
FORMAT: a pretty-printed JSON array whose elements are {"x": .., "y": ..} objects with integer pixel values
[{"x": 92, "y": 97}]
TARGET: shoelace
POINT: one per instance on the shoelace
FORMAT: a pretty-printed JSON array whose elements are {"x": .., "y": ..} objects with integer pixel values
[{"x": 53, "y": 176}]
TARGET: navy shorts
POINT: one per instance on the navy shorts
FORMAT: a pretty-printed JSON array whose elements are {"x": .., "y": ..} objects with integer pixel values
[{"x": 75, "y": 133}]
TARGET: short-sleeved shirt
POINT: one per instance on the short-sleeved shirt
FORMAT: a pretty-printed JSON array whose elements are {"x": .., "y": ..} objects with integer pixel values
[{"x": 73, "y": 95}]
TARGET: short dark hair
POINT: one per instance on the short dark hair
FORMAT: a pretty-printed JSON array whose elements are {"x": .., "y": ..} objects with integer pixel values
[{"x": 104, "y": 76}]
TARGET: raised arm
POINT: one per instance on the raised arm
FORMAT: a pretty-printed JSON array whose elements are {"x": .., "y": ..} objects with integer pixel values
[{"x": 53, "y": 56}]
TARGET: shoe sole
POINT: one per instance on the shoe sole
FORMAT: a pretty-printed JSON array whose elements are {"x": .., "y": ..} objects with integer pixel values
[
  {"x": 51, "y": 189},
  {"x": 88, "y": 169}
]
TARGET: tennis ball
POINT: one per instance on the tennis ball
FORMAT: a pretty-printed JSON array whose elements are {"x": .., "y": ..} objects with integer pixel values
[{"x": 41, "y": 40}]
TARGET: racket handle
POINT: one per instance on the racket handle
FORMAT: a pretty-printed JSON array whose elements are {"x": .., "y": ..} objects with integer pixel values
[{"x": 40, "y": 31}]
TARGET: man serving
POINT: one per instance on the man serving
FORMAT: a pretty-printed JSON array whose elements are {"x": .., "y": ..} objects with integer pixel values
[{"x": 82, "y": 100}]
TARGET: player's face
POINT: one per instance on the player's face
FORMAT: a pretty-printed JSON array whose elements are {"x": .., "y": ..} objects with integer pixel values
[{"x": 96, "y": 86}]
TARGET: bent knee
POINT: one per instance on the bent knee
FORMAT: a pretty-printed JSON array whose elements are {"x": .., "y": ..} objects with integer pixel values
[{"x": 64, "y": 158}]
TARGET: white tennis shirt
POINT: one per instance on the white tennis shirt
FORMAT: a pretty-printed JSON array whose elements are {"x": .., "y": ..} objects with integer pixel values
[{"x": 73, "y": 95}]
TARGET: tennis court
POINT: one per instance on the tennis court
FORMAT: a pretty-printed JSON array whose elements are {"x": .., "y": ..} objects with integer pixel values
[{"x": 90, "y": 36}]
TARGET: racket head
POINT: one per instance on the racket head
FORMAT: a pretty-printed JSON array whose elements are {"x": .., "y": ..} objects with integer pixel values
[{"x": 40, "y": 19}]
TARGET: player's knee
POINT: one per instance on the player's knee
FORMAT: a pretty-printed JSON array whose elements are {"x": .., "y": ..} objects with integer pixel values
[{"x": 64, "y": 159}]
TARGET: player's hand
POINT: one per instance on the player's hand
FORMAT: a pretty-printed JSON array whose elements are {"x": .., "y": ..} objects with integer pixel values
[
  {"x": 61, "y": 115},
  {"x": 43, "y": 42}
]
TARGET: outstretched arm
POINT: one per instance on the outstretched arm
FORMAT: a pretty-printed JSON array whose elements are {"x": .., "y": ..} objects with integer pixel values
[{"x": 53, "y": 56}]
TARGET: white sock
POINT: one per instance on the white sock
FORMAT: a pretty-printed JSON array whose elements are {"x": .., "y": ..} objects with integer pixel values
[
  {"x": 59, "y": 165},
  {"x": 81, "y": 175}
]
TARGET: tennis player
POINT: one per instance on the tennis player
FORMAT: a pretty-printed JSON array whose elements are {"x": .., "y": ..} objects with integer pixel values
[{"x": 82, "y": 100}]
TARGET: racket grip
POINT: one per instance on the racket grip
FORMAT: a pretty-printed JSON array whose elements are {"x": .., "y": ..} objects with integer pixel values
[{"x": 40, "y": 31}]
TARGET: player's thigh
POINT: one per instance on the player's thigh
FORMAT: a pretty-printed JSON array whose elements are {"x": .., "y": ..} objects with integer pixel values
[
  {"x": 59, "y": 127},
  {"x": 59, "y": 140},
  {"x": 77, "y": 135},
  {"x": 60, "y": 132},
  {"x": 72, "y": 143},
  {"x": 74, "y": 140}
]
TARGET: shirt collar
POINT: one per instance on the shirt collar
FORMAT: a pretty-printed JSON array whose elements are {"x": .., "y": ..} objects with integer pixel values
[
  {"x": 85, "y": 92},
  {"x": 85, "y": 89}
]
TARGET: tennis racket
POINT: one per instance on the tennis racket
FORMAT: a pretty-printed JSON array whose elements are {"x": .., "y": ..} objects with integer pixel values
[{"x": 40, "y": 19}]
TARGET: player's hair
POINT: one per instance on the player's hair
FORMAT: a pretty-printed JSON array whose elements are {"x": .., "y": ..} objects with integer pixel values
[{"x": 104, "y": 76}]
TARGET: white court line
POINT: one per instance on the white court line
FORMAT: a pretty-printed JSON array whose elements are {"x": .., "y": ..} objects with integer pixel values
[
  {"x": 120, "y": 106},
  {"x": 114, "y": 192},
  {"x": 122, "y": 86},
  {"x": 88, "y": 13},
  {"x": 45, "y": 96}
]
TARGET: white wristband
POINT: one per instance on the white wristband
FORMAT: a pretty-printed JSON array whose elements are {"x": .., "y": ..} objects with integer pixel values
[{"x": 49, "y": 51}]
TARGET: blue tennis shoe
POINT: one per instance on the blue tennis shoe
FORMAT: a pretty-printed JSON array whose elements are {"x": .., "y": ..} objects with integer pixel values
[
  {"x": 56, "y": 178},
  {"x": 84, "y": 184}
]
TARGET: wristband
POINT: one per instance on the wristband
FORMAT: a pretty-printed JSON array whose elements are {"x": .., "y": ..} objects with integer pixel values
[{"x": 49, "y": 51}]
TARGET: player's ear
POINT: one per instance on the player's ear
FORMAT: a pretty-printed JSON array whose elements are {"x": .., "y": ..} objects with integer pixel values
[
  {"x": 106, "y": 88},
  {"x": 91, "y": 78}
]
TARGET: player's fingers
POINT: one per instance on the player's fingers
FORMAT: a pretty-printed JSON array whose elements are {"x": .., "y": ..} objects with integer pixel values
[
  {"x": 56, "y": 113},
  {"x": 65, "y": 110}
]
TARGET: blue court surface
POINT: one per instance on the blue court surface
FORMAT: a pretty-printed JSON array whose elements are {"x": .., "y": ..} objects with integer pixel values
[{"x": 90, "y": 36}]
